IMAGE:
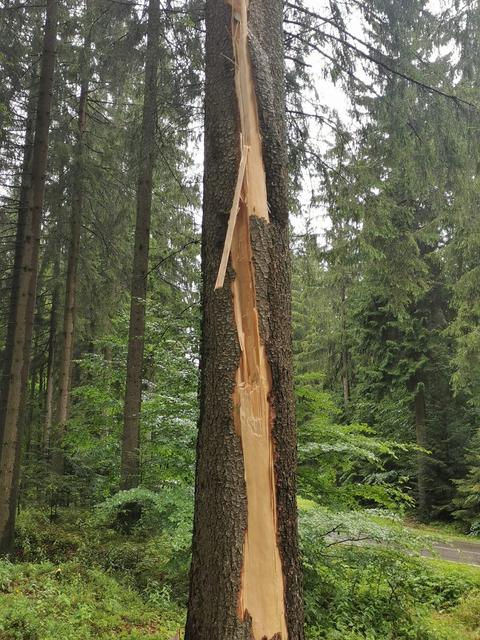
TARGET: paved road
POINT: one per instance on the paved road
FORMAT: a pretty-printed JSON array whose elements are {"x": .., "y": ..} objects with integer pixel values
[{"x": 458, "y": 551}]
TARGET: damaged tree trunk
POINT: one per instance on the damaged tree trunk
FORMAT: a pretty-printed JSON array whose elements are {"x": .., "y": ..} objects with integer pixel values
[
  {"x": 245, "y": 575},
  {"x": 130, "y": 463},
  {"x": 13, "y": 389}
]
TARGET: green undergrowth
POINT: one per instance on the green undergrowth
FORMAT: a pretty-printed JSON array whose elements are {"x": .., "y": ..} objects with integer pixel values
[
  {"x": 365, "y": 580},
  {"x": 442, "y": 532},
  {"x": 68, "y": 601},
  {"x": 434, "y": 532},
  {"x": 79, "y": 577}
]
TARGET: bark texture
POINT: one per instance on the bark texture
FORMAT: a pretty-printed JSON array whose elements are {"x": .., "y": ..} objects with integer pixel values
[
  {"x": 16, "y": 374},
  {"x": 130, "y": 463},
  {"x": 219, "y": 588}
]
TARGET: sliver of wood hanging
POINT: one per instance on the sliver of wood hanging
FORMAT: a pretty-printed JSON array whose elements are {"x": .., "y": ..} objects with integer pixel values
[{"x": 261, "y": 596}]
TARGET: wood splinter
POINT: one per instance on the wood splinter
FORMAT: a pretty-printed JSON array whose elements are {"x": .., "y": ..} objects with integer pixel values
[{"x": 232, "y": 219}]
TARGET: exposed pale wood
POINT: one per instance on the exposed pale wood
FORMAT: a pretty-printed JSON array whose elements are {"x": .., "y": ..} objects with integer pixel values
[
  {"x": 262, "y": 590},
  {"x": 256, "y": 182},
  {"x": 261, "y": 597}
]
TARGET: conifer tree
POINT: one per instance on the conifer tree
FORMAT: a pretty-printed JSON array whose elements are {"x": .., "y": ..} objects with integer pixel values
[
  {"x": 12, "y": 400},
  {"x": 130, "y": 464},
  {"x": 245, "y": 574}
]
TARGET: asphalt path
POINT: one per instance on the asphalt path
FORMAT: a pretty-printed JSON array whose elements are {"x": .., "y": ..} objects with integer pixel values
[{"x": 457, "y": 551}]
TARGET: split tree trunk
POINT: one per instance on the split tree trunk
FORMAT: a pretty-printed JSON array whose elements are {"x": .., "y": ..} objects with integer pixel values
[
  {"x": 23, "y": 297},
  {"x": 245, "y": 575},
  {"x": 68, "y": 334},
  {"x": 130, "y": 463}
]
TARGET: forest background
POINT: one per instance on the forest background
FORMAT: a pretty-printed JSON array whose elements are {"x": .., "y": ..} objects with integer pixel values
[{"x": 386, "y": 301}]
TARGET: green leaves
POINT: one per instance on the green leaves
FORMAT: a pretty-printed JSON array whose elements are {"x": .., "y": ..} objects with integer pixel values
[{"x": 344, "y": 465}]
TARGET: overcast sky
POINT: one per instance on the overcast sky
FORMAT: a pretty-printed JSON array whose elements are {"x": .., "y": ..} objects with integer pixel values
[{"x": 332, "y": 96}]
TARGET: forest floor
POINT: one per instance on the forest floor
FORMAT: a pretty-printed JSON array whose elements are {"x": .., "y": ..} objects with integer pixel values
[{"x": 73, "y": 581}]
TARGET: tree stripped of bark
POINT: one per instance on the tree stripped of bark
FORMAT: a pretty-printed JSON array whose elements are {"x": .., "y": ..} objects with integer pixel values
[
  {"x": 130, "y": 463},
  {"x": 14, "y": 383},
  {"x": 245, "y": 576}
]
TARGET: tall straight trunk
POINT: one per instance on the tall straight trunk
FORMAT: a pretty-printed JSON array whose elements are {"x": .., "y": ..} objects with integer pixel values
[
  {"x": 345, "y": 379},
  {"x": 130, "y": 462},
  {"x": 24, "y": 202},
  {"x": 23, "y": 297},
  {"x": 52, "y": 338},
  {"x": 422, "y": 460},
  {"x": 68, "y": 334},
  {"x": 245, "y": 576},
  {"x": 345, "y": 358}
]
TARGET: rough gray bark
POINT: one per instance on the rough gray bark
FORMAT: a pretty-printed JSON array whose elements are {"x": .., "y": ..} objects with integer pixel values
[
  {"x": 130, "y": 462},
  {"x": 220, "y": 521},
  {"x": 16, "y": 375}
]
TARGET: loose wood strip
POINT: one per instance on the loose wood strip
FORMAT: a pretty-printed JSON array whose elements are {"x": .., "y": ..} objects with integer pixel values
[{"x": 232, "y": 220}]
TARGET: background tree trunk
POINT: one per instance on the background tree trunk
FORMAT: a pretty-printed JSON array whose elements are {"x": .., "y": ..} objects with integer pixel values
[
  {"x": 24, "y": 202},
  {"x": 68, "y": 335},
  {"x": 422, "y": 458},
  {"x": 52, "y": 339},
  {"x": 130, "y": 462},
  {"x": 245, "y": 575},
  {"x": 15, "y": 379}
]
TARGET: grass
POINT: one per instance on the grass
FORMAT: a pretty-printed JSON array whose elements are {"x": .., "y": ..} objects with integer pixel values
[
  {"x": 72, "y": 581},
  {"x": 441, "y": 531},
  {"x": 459, "y": 623},
  {"x": 70, "y": 602}
]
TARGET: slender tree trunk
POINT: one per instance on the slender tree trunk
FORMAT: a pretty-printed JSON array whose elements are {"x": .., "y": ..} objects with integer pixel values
[
  {"x": 422, "y": 460},
  {"x": 69, "y": 314},
  {"x": 245, "y": 575},
  {"x": 16, "y": 374},
  {"x": 345, "y": 379},
  {"x": 345, "y": 358},
  {"x": 24, "y": 202},
  {"x": 130, "y": 463},
  {"x": 52, "y": 338},
  {"x": 34, "y": 373}
]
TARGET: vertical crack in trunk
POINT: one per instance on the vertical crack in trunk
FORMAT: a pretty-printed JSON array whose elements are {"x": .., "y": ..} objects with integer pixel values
[{"x": 261, "y": 597}]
